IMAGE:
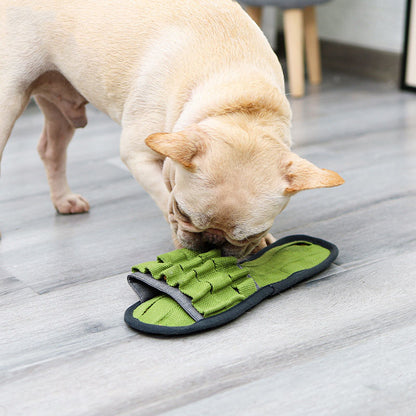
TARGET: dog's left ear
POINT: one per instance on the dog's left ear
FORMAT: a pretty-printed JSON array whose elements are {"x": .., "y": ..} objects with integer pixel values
[
  {"x": 301, "y": 174},
  {"x": 182, "y": 147}
]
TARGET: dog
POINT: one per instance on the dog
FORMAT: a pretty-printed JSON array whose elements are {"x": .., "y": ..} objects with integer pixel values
[{"x": 199, "y": 94}]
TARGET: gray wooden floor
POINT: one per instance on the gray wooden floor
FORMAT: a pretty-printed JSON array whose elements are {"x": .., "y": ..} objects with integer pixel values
[{"x": 341, "y": 344}]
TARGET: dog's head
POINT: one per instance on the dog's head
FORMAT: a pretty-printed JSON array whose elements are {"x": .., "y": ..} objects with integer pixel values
[{"x": 226, "y": 186}]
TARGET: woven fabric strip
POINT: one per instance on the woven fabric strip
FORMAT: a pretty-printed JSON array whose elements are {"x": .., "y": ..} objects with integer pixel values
[{"x": 214, "y": 283}]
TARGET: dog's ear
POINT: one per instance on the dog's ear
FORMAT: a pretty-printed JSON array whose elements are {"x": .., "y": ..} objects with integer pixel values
[
  {"x": 301, "y": 174},
  {"x": 182, "y": 147}
]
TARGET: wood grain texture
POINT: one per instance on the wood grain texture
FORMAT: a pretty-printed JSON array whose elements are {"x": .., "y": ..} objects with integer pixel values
[
  {"x": 340, "y": 344},
  {"x": 388, "y": 389}
]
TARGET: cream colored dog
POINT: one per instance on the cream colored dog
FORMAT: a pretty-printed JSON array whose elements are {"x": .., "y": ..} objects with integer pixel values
[{"x": 200, "y": 71}]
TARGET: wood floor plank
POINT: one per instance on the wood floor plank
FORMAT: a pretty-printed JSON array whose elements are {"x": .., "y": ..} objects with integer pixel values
[
  {"x": 121, "y": 375},
  {"x": 374, "y": 372},
  {"x": 63, "y": 322},
  {"x": 14, "y": 291},
  {"x": 362, "y": 241},
  {"x": 56, "y": 250},
  {"x": 350, "y": 109}
]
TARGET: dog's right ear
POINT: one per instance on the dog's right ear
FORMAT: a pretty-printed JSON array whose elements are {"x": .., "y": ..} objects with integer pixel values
[
  {"x": 300, "y": 174},
  {"x": 182, "y": 147}
]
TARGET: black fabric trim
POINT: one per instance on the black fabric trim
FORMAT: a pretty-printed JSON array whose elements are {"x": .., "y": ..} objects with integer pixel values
[{"x": 236, "y": 311}]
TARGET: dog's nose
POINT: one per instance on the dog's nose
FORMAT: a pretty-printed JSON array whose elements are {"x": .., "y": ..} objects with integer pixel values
[{"x": 214, "y": 236}]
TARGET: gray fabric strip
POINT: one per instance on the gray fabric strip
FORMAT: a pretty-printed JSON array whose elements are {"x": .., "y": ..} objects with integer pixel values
[
  {"x": 248, "y": 275},
  {"x": 148, "y": 287}
]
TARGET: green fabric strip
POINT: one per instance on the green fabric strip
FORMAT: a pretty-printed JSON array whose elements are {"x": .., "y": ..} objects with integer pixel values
[
  {"x": 214, "y": 283},
  {"x": 279, "y": 263},
  {"x": 176, "y": 256},
  {"x": 162, "y": 310}
]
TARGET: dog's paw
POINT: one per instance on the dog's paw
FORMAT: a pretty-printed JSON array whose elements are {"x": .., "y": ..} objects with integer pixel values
[
  {"x": 71, "y": 204},
  {"x": 264, "y": 242},
  {"x": 269, "y": 239}
]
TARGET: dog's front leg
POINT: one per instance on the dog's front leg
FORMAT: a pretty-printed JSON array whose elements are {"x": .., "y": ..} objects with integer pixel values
[
  {"x": 264, "y": 242},
  {"x": 145, "y": 166}
]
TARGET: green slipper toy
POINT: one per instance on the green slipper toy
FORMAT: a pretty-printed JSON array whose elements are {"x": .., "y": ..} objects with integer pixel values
[{"x": 185, "y": 291}]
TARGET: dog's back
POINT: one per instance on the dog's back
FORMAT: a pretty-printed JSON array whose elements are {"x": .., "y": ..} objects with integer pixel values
[{"x": 88, "y": 41}]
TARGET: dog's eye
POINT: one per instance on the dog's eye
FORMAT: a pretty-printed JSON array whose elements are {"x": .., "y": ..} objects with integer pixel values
[
  {"x": 254, "y": 236},
  {"x": 182, "y": 214},
  {"x": 258, "y": 235}
]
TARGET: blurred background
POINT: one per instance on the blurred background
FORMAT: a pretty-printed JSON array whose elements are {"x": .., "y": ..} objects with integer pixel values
[{"x": 356, "y": 36}]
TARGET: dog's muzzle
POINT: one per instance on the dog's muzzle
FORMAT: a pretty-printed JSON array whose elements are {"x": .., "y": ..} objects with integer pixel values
[
  {"x": 211, "y": 238},
  {"x": 214, "y": 237}
]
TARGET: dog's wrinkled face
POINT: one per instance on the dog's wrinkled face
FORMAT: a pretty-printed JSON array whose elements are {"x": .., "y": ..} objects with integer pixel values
[
  {"x": 222, "y": 210},
  {"x": 226, "y": 191},
  {"x": 235, "y": 221}
]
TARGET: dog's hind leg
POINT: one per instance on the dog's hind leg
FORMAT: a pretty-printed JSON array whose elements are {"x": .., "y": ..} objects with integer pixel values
[{"x": 56, "y": 135}]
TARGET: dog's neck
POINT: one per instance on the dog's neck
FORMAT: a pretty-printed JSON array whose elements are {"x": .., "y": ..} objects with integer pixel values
[{"x": 248, "y": 92}]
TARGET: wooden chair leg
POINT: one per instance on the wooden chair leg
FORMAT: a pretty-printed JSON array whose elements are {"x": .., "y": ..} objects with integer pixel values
[
  {"x": 293, "y": 30},
  {"x": 255, "y": 12},
  {"x": 313, "y": 53}
]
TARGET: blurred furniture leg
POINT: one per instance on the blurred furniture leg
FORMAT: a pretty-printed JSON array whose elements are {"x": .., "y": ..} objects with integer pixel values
[
  {"x": 255, "y": 12},
  {"x": 313, "y": 53},
  {"x": 294, "y": 38},
  {"x": 301, "y": 35}
]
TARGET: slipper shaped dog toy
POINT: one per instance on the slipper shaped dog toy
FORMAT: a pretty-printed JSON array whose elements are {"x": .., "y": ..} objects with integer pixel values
[{"x": 185, "y": 291}]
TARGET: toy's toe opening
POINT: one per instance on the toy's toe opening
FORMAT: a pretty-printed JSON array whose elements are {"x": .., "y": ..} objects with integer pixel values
[{"x": 162, "y": 310}]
